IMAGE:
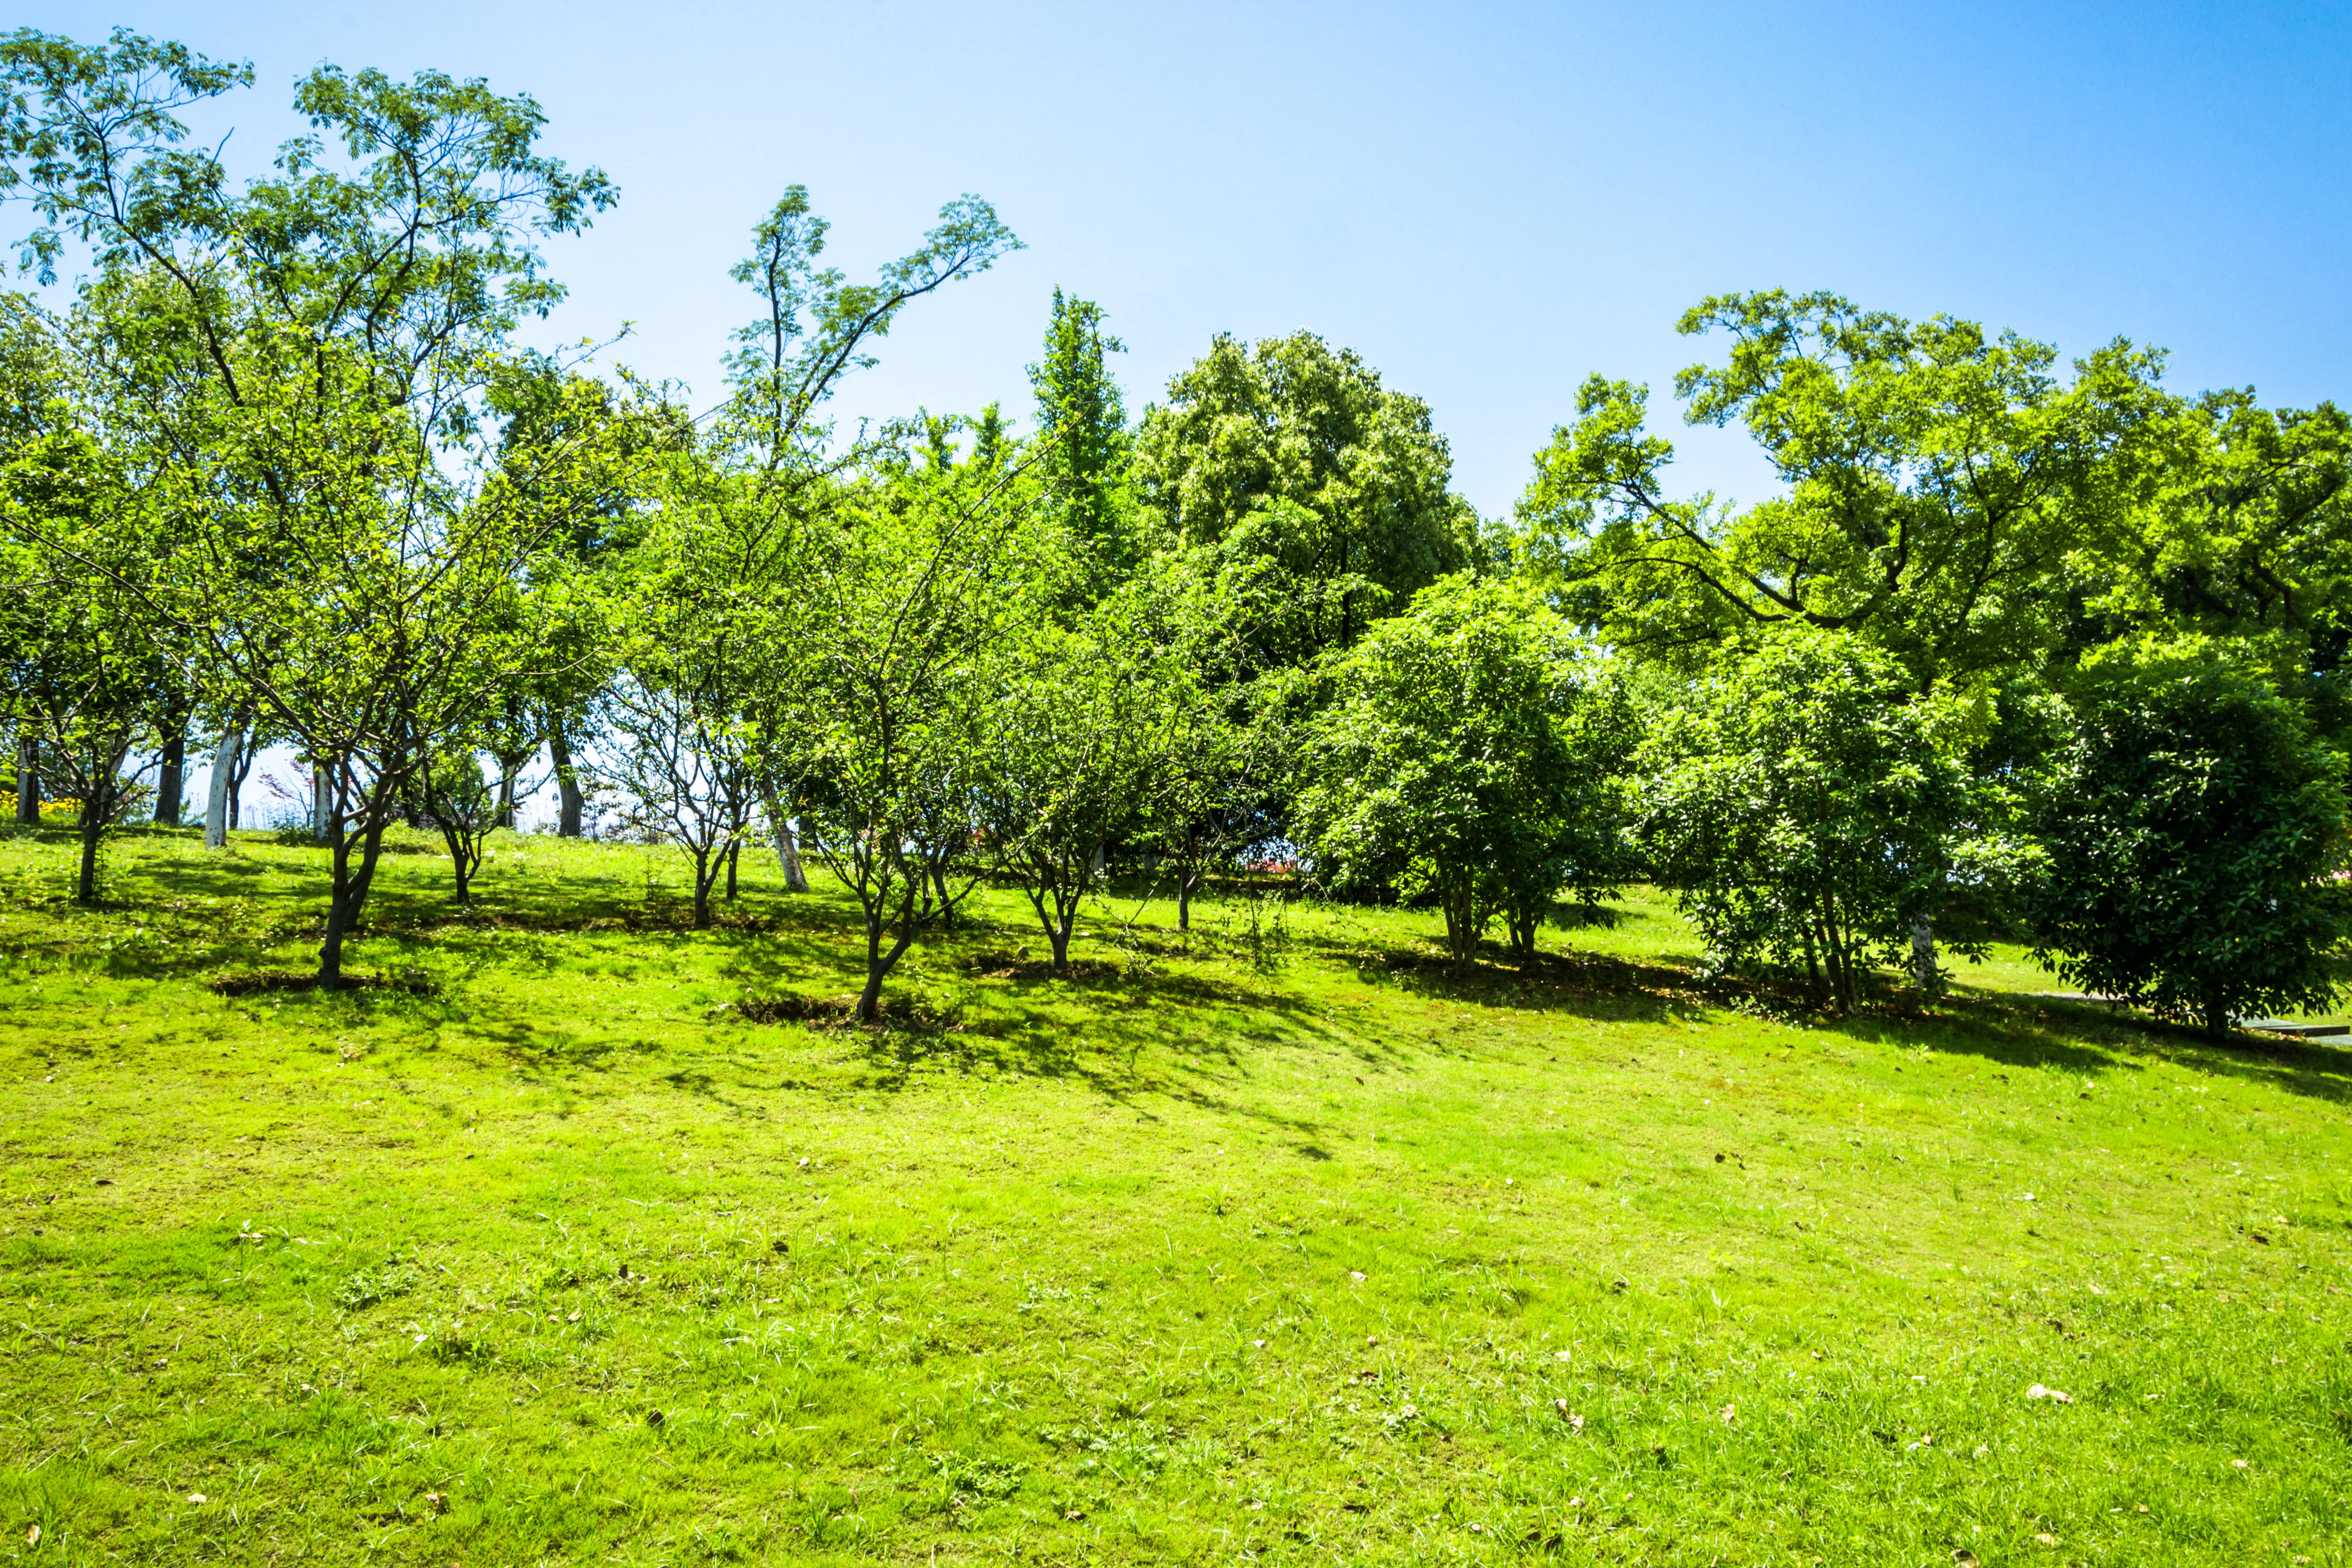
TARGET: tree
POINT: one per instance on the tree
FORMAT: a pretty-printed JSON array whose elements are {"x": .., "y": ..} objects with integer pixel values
[
  {"x": 1470, "y": 748},
  {"x": 707, "y": 706},
  {"x": 1082, "y": 437},
  {"x": 2193, "y": 827},
  {"x": 1937, "y": 482},
  {"x": 906, "y": 608},
  {"x": 449, "y": 790},
  {"x": 1296, "y": 452},
  {"x": 80, "y": 667},
  {"x": 1090, "y": 717},
  {"x": 1803, "y": 806}
]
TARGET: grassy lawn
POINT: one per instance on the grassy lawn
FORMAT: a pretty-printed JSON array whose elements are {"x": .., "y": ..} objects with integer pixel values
[{"x": 1287, "y": 1248}]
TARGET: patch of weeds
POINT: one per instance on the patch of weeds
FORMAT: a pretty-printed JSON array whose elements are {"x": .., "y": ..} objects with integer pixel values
[
  {"x": 452, "y": 1345},
  {"x": 364, "y": 1287},
  {"x": 1265, "y": 931},
  {"x": 1130, "y": 1450},
  {"x": 978, "y": 1475}
]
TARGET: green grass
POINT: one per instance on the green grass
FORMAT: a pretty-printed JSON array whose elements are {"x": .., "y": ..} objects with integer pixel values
[{"x": 1287, "y": 1251}]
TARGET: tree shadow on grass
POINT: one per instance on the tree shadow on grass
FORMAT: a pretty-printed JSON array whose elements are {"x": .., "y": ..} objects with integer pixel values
[
  {"x": 1578, "y": 983},
  {"x": 2027, "y": 1031}
]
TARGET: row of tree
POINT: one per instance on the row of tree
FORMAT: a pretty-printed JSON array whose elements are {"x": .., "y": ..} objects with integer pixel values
[{"x": 2007, "y": 652}]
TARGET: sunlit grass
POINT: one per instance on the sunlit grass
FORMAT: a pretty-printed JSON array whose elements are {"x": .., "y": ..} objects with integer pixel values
[{"x": 1290, "y": 1247}]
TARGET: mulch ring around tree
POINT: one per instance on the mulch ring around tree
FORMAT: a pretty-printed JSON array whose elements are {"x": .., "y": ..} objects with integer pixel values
[
  {"x": 412, "y": 983},
  {"x": 1019, "y": 965}
]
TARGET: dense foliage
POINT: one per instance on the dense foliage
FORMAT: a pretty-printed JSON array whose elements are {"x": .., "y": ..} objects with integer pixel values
[{"x": 2192, "y": 824}]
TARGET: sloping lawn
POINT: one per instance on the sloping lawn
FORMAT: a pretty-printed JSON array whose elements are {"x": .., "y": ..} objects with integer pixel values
[{"x": 1278, "y": 1245}]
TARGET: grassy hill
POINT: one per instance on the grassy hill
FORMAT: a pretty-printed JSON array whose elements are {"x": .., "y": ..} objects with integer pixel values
[{"x": 1278, "y": 1245}]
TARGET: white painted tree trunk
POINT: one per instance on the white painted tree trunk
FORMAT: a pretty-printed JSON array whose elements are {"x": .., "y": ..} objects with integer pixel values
[
  {"x": 788, "y": 852},
  {"x": 225, "y": 759},
  {"x": 1923, "y": 955}
]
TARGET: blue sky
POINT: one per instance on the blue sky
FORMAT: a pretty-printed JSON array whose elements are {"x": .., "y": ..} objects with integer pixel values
[{"x": 1487, "y": 202}]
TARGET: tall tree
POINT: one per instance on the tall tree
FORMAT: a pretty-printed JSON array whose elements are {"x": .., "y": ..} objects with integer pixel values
[
  {"x": 1293, "y": 451},
  {"x": 1082, "y": 437},
  {"x": 1936, "y": 481}
]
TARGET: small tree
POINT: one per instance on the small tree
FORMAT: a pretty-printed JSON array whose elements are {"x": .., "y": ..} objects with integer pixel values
[
  {"x": 450, "y": 790},
  {"x": 2192, "y": 827},
  {"x": 1088, "y": 720},
  {"x": 1803, "y": 808},
  {"x": 1470, "y": 747},
  {"x": 906, "y": 610}
]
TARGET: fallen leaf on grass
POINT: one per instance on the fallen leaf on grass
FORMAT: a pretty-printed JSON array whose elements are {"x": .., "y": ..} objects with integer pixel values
[
  {"x": 32, "y": 1536},
  {"x": 1963, "y": 1558},
  {"x": 2039, "y": 1392},
  {"x": 195, "y": 1497}
]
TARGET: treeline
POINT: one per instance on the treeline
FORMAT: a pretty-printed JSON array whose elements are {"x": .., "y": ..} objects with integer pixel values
[{"x": 2014, "y": 651}]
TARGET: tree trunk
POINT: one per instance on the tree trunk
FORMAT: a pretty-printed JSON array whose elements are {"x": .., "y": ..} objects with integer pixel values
[
  {"x": 506, "y": 817},
  {"x": 879, "y": 964},
  {"x": 168, "y": 787},
  {"x": 567, "y": 782},
  {"x": 1923, "y": 958},
  {"x": 2215, "y": 1016},
  {"x": 244, "y": 760},
  {"x": 734, "y": 852},
  {"x": 351, "y": 890},
  {"x": 788, "y": 853},
  {"x": 93, "y": 826},
  {"x": 704, "y": 875},
  {"x": 29, "y": 781},
  {"x": 220, "y": 788},
  {"x": 1841, "y": 971},
  {"x": 459, "y": 857},
  {"x": 788, "y": 850},
  {"x": 320, "y": 809},
  {"x": 869, "y": 1000}
]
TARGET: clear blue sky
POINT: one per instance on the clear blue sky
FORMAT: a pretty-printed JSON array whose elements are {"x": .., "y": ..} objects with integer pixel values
[{"x": 1487, "y": 202}]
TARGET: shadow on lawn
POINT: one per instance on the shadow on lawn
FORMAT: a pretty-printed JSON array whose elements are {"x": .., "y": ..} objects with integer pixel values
[
  {"x": 2089, "y": 1037},
  {"x": 1583, "y": 983}
]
